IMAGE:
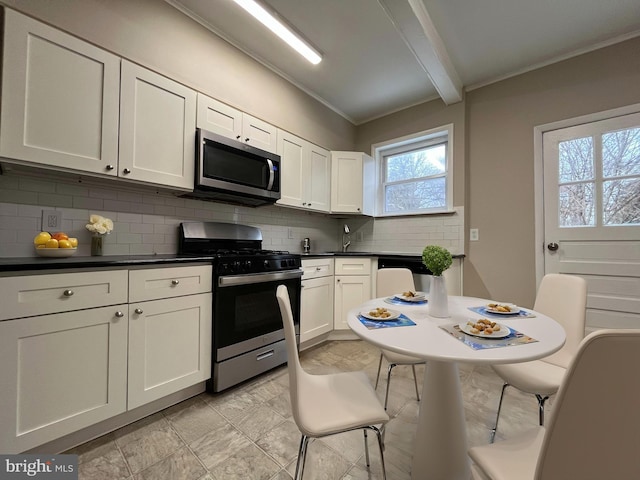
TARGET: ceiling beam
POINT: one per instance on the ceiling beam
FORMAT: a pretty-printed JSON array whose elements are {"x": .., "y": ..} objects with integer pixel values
[{"x": 412, "y": 21}]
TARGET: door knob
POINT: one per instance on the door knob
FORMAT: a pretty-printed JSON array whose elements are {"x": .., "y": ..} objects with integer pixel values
[{"x": 552, "y": 246}]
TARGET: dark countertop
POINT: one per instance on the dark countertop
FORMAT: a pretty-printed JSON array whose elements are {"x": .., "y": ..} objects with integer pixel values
[
  {"x": 14, "y": 264},
  {"x": 370, "y": 254}
]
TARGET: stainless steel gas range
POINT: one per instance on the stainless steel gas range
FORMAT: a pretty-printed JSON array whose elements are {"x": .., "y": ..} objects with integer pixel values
[{"x": 248, "y": 338}]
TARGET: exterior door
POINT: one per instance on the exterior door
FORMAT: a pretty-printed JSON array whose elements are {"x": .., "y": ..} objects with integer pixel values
[{"x": 592, "y": 215}]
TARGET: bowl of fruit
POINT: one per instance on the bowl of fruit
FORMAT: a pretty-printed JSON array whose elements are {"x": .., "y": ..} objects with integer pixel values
[{"x": 57, "y": 245}]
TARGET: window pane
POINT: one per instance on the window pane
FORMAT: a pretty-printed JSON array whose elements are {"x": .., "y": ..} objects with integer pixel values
[
  {"x": 621, "y": 202},
  {"x": 621, "y": 153},
  {"x": 576, "y": 160},
  {"x": 576, "y": 205},
  {"x": 419, "y": 163},
  {"x": 415, "y": 195}
]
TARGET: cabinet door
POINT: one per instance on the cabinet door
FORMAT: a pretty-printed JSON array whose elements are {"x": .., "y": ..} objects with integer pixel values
[
  {"x": 59, "y": 98},
  {"x": 259, "y": 133},
  {"x": 169, "y": 346},
  {"x": 319, "y": 179},
  {"x": 316, "y": 314},
  {"x": 218, "y": 117},
  {"x": 350, "y": 291},
  {"x": 346, "y": 182},
  {"x": 157, "y": 129},
  {"x": 291, "y": 151},
  {"x": 61, "y": 373}
]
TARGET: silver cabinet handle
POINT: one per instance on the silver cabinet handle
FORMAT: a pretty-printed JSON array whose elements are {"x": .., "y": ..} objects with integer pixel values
[
  {"x": 119, "y": 314},
  {"x": 110, "y": 167},
  {"x": 138, "y": 311},
  {"x": 126, "y": 171},
  {"x": 318, "y": 269},
  {"x": 175, "y": 282},
  {"x": 552, "y": 246},
  {"x": 68, "y": 293}
]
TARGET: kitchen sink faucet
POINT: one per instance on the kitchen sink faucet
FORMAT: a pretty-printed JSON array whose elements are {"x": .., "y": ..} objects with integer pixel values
[{"x": 346, "y": 240}]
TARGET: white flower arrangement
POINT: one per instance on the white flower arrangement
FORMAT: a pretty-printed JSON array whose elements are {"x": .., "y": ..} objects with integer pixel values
[{"x": 99, "y": 225}]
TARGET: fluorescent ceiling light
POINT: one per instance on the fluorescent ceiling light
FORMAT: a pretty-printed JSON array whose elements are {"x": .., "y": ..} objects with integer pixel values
[{"x": 280, "y": 29}]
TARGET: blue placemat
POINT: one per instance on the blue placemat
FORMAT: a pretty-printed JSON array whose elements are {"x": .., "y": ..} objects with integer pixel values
[
  {"x": 479, "y": 343},
  {"x": 398, "y": 301},
  {"x": 401, "y": 321},
  {"x": 483, "y": 311}
]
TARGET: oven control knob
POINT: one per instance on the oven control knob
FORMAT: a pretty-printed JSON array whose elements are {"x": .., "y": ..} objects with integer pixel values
[
  {"x": 266, "y": 263},
  {"x": 247, "y": 266}
]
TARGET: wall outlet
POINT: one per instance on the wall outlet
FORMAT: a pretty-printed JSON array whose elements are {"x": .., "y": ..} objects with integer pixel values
[
  {"x": 51, "y": 221},
  {"x": 474, "y": 235},
  {"x": 291, "y": 233}
]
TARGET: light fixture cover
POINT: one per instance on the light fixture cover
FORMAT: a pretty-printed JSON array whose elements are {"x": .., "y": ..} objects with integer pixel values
[{"x": 282, "y": 30}]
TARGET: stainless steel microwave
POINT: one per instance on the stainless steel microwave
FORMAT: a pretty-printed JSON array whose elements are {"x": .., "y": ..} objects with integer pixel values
[{"x": 234, "y": 172}]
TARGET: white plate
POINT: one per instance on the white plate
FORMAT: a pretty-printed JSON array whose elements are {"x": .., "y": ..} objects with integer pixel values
[
  {"x": 418, "y": 297},
  {"x": 367, "y": 314},
  {"x": 514, "y": 309},
  {"x": 503, "y": 332},
  {"x": 56, "y": 252}
]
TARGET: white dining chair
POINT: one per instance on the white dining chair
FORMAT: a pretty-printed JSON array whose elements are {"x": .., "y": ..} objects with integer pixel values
[
  {"x": 390, "y": 281},
  {"x": 563, "y": 298},
  {"x": 327, "y": 404},
  {"x": 592, "y": 433}
]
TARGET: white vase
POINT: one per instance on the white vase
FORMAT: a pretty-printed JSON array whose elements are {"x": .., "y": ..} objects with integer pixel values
[{"x": 438, "y": 299}]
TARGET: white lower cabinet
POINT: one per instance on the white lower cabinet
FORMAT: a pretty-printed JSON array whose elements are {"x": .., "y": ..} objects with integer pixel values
[
  {"x": 169, "y": 346},
  {"x": 81, "y": 347},
  {"x": 61, "y": 372},
  {"x": 316, "y": 299},
  {"x": 352, "y": 287}
]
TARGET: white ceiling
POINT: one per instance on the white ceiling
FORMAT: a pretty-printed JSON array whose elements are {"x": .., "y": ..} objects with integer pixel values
[{"x": 380, "y": 56}]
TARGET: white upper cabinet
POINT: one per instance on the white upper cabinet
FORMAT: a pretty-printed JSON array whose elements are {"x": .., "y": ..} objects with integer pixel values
[
  {"x": 305, "y": 173},
  {"x": 66, "y": 105},
  {"x": 352, "y": 183},
  {"x": 60, "y": 98},
  {"x": 157, "y": 129},
  {"x": 220, "y": 118}
]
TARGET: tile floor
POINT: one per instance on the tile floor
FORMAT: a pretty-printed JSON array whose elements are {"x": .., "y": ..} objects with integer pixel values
[{"x": 248, "y": 432}]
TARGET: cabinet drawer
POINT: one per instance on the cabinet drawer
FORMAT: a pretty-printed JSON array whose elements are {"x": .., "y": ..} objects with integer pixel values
[
  {"x": 353, "y": 266},
  {"x": 316, "y": 268},
  {"x": 29, "y": 295},
  {"x": 155, "y": 283}
]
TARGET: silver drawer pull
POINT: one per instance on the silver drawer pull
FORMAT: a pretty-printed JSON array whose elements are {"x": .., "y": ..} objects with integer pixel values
[
  {"x": 262, "y": 356},
  {"x": 138, "y": 311},
  {"x": 119, "y": 314},
  {"x": 175, "y": 282},
  {"x": 318, "y": 269},
  {"x": 68, "y": 293}
]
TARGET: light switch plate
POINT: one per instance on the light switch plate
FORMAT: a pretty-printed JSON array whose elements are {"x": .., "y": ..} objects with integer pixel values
[
  {"x": 291, "y": 233},
  {"x": 474, "y": 235},
  {"x": 51, "y": 221}
]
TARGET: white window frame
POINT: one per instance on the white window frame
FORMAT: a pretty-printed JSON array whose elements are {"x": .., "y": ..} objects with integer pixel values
[{"x": 434, "y": 136}]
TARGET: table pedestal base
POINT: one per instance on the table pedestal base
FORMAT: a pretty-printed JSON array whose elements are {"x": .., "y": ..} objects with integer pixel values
[{"x": 440, "y": 451}]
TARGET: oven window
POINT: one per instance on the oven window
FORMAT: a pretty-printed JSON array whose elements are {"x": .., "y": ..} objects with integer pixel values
[{"x": 247, "y": 311}]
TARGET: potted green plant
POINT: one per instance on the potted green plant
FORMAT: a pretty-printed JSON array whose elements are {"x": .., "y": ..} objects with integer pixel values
[{"x": 437, "y": 259}]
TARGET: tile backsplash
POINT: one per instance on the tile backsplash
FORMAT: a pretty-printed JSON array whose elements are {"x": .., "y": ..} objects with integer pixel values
[{"x": 146, "y": 221}]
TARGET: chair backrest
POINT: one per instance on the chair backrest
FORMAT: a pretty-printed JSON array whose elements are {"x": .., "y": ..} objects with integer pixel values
[
  {"x": 394, "y": 280},
  {"x": 297, "y": 375},
  {"x": 594, "y": 430},
  {"x": 564, "y": 298}
]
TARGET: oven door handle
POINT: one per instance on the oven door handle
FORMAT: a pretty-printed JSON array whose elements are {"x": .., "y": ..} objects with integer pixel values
[{"x": 251, "y": 278}]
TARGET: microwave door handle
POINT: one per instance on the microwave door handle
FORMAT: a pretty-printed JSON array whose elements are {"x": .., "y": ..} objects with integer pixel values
[{"x": 272, "y": 174}]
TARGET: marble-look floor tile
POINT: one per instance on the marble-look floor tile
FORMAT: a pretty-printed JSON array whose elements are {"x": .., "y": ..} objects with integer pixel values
[
  {"x": 194, "y": 418},
  {"x": 214, "y": 447},
  {"x": 154, "y": 446},
  {"x": 248, "y": 463},
  {"x": 322, "y": 463},
  {"x": 182, "y": 465},
  {"x": 111, "y": 465},
  {"x": 258, "y": 421},
  {"x": 281, "y": 442}
]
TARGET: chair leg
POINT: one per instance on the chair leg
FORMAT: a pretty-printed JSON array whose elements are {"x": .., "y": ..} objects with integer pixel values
[
  {"x": 302, "y": 454},
  {"x": 366, "y": 447},
  {"x": 378, "y": 375},
  {"x": 386, "y": 395},
  {"x": 495, "y": 427},
  {"x": 381, "y": 446},
  {"x": 415, "y": 381},
  {"x": 541, "y": 401}
]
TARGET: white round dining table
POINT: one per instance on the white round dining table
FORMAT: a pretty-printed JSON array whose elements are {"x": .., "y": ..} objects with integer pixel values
[{"x": 440, "y": 447}]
